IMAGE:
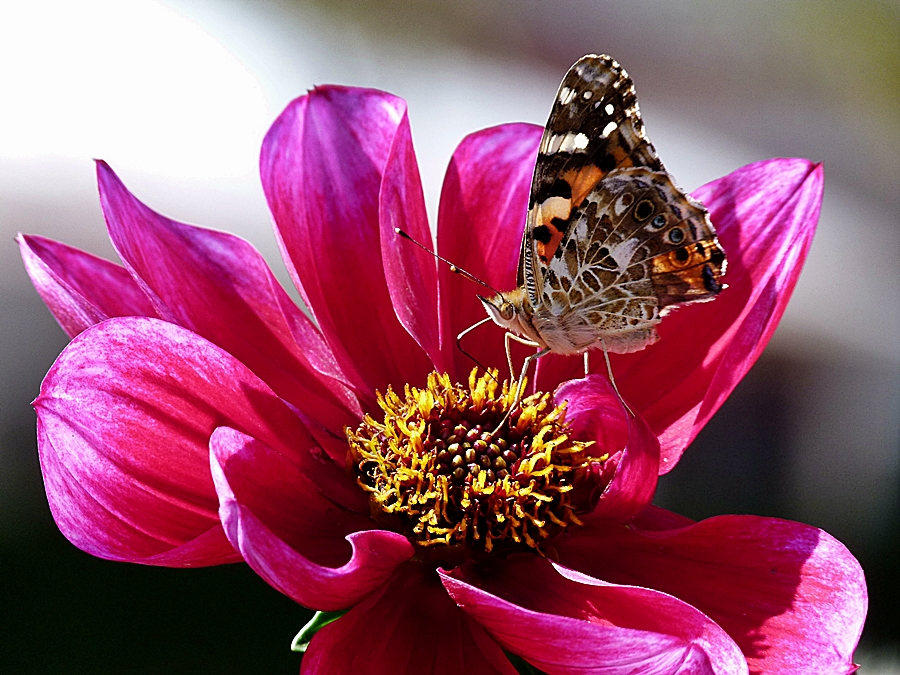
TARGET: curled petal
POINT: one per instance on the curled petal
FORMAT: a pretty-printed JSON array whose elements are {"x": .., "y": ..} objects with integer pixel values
[
  {"x": 126, "y": 522},
  {"x": 80, "y": 289},
  {"x": 218, "y": 286},
  {"x": 595, "y": 413},
  {"x": 124, "y": 419},
  {"x": 314, "y": 551},
  {"x": 407, "y": 626},
  {"x": 765, "y": 215},
  {"x": 791, "y": 596},
  {"x": 587, "y": 626},
  {"x": 326, "y": 163},
  {"x": 480, "y": 221}
]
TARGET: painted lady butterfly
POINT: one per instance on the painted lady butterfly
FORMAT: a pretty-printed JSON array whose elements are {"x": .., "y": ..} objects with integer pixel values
[{"x": 611, "y": 243}]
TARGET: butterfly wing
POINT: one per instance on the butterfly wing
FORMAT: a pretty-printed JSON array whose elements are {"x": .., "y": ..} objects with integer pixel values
[
  {"x": 610, "y": 241},
  {"x": 594, "y": 127},
  {"x": 636, "y": 246}
]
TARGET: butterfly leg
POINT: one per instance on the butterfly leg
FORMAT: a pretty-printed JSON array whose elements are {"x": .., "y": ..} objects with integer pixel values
[
  {"x": 467, "y": 354},
  {"x": 525, "y": 365},
  {"x": 521, "y": 341},
  {"x": 612, "y": 380},
  {"x": 520, "y": 382}
]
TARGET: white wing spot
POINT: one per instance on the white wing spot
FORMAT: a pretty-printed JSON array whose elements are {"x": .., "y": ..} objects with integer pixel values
[
  {"x": 574, "y": 142},
  {"x": 623, "y": 253},
  {"x": 619, "y": 207},
  {"x": 566, "y": 95},
  {"x": 553, "y": 144},
  {"x": 587, "y": 95},
  {"x": 608, "y": 129},
  {"x": 571, "y": 142},
  {"x": 555, "y": 207},
  {"x": 609, "y": 108}
]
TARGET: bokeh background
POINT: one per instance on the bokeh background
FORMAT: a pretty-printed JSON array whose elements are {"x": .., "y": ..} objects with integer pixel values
[{"x": 177, "y": 96}]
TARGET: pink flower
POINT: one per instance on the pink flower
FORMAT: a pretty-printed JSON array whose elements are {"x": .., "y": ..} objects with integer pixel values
[{"x": 197, "y": 417}]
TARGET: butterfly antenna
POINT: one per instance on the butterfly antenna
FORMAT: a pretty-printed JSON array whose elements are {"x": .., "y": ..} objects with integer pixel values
[{"x": 453, "y": 268}]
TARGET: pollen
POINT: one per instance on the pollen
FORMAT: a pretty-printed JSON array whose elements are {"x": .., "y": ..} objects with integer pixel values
[{"x": 448, "y": 467}]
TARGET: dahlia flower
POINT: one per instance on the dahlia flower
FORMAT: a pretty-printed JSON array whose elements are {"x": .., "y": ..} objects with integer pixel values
[{"x": 199, "y": 417}]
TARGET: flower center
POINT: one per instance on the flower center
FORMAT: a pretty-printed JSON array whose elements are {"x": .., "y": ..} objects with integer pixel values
[{"x": 442, "y": 468}]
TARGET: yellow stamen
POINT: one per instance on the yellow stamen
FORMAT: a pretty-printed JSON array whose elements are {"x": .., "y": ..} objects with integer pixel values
[{"x": 439, "y": 466}]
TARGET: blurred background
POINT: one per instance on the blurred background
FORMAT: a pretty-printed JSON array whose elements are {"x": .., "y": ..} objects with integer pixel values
[{"x": 177, "y": 95}]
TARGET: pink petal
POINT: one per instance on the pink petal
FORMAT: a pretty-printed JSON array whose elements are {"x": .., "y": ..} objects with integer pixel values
[
  {"x": 766, "y": 215},
  {"x": 480, "y": 222},
  {"x": 111, "y": 525},
  {"x": 410, "y": 272},
  {"x": 407, "y": 626},
  {"x": 595, "y": 413},
  {"x": 124, "y": 419},
  {"x": 80, "y": 289},
  {"x": 218, "y": 286},
  {"x": 326, "y": 164},
  {"x": 654, "y": 519},
  {"x": 792, "y": 597},
  {"x": 563, "y": 622},
  {"x": 318, "y": 553}
]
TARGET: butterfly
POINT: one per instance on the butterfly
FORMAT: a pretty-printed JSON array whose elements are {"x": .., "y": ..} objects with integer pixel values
[{"x": 611, "y": 243}]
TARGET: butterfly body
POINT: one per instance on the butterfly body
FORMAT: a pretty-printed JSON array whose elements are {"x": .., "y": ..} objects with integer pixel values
[{"x": 611, "y": 243}]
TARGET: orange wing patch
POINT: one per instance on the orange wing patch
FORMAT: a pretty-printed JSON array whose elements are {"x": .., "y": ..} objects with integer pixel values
[
  {"x": 583, "y": 181},
  {"x": 688, "y": 273},
  {"x": 552, "y": 215}
]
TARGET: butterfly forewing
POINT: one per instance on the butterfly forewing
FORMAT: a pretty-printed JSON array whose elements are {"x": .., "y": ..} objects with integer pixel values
[{"x": 594, "y": 127}]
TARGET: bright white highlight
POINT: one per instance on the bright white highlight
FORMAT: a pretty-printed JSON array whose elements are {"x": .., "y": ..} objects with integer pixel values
[
  {"x": 620, "y": 206},
  {"x": 555, "y": 207},
  {"x": 130, "y": 82}
]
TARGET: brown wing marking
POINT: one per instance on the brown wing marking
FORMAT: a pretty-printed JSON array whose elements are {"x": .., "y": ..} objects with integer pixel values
[{"x": 638, "y": 234}]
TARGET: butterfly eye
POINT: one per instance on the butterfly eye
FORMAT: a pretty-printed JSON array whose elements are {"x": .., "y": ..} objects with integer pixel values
[
  {"x": 643, "y": 210},
  {"x": 506, "y": 310},
  {"x": 659, "y": 221},
  {"x": 676, "y": 235}
]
